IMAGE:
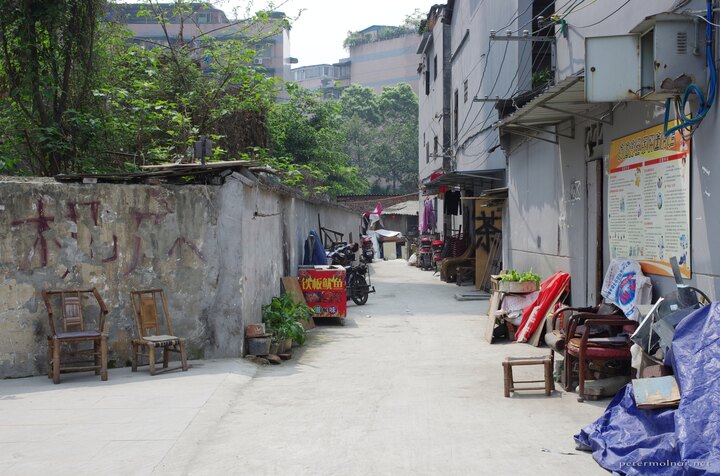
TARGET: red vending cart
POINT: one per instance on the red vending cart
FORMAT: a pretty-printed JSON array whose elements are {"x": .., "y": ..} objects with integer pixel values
[{"x": 324, "y": 290}]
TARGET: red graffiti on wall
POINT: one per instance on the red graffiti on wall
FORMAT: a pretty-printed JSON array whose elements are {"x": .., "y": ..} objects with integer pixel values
[
  {"x": 184, "y": 241},
  {"x": 42, "y": 224},
  {"x": 73, "y": 213},
  {"x": 141, "y": 217}
]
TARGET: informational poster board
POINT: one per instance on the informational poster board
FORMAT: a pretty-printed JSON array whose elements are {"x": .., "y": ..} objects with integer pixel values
[
  {"x": 324, "y": 290},
  {"x": 649, "y": 200}
]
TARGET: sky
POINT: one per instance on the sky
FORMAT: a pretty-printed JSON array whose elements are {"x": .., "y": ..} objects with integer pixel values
[{"x": 317, "y": 35}]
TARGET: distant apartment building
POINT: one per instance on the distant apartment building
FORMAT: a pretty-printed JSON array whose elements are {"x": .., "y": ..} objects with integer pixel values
[
  {"x": 380, "y": 56},
  {"x": 203, "y": 20},
  {"x": 330, "y": 78}
]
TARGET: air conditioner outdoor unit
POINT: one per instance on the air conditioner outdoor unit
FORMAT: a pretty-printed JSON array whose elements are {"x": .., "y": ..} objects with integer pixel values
[
  {"x": 258, "y": 61},
  {"x": 658, "y": 59}
]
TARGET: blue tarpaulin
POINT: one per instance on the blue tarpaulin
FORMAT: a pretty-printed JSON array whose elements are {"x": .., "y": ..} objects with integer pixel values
[
  {"x": 314, "y": 251},
  {"x": 682, "y": 441}
]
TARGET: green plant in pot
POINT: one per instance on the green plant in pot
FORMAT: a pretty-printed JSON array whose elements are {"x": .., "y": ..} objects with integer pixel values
[{"x": 283, "y": 318}]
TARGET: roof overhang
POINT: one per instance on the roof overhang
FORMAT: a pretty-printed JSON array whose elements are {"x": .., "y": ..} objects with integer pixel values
[
  {"x": 464, "y": 179},
  {"x": 553, "y": 113}
]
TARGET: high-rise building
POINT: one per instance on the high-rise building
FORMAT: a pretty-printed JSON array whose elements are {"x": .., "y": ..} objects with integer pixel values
[{"x": 380, "y": 56}]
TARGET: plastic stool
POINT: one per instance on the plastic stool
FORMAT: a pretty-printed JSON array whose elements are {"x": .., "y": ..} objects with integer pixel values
[{"x": 510, "y": 384}]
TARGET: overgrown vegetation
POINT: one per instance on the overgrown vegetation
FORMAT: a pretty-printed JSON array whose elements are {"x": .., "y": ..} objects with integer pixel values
[
  {"x": 78, "y": 93},
  {"x": 413, "y": 23},
  {"x": 382, "y": 136}
]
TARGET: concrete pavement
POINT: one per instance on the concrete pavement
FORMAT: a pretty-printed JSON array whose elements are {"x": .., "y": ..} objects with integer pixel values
[{"x": 408, "y": 386}]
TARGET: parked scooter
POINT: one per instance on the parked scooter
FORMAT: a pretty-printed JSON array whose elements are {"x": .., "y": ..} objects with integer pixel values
[
  {"x": 357, "y": 278},
  {"x": 425, "y": 254},
  {"x": 368, "y": 252},
  {"x": 437, "y": 249}
]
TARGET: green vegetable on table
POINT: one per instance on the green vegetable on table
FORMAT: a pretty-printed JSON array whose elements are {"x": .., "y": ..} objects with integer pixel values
[{"x": 513, "y": 275}]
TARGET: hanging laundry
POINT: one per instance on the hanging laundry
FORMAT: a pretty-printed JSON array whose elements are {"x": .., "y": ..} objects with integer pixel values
[
  {"x": 453, "y": 204},
  {"x": 428, "y": 216}
]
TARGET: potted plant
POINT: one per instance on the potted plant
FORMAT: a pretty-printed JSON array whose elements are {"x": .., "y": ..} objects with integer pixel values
[
  {"x": 282, "y": 317},
  {"x": 514, "y": 282}
]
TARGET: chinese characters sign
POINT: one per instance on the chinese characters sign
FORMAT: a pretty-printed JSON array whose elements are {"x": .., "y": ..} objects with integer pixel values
[
  {"x": 649, "y": 200},
  {"x": 324, "y": 291}
]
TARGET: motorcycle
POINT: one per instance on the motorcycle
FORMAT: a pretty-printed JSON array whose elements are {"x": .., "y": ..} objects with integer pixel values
[
  {"x": 368, "y": 253},
  {"x": 425, "y": 255},
  {"x": 357, "y": 278},
  {"x": 437, "y": 249}
]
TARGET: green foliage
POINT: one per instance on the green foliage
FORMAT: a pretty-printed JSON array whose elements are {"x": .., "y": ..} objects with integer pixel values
[
  {"x": 305, "y": 129},
  {"x": 357, "y": 38},
  {"x": 78, "y": 95},
  {"x": 381, "y": 135},
  {"x": 282, "y": 318},
  {"x": 529, "y": 276},
  {"x": 542, "y": 77},
  {"x": 47, "y": 52}
]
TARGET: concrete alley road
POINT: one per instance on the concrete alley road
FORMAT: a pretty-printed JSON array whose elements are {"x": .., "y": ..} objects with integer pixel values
[{"x": 408, "y": 387}]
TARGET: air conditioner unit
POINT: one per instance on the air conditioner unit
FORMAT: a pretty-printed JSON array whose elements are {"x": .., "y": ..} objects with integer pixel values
[
  {"x": 258, "y": 61},
  {"x": 658, "y": 59}
]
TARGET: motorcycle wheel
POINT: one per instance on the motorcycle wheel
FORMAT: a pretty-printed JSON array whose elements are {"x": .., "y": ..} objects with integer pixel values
[{"x": 359, "y": 290}]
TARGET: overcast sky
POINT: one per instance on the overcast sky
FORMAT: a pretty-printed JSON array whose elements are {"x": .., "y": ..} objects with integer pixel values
[{"x": 317, "y": 35}]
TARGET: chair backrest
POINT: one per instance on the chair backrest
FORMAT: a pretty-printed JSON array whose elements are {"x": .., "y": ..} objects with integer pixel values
[
  {"x": 146, "y": 304},
  {"x": 72, "y": 314}
]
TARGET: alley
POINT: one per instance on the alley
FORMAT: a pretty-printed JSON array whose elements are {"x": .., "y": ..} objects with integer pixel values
[{"x": 408, "y": 386}]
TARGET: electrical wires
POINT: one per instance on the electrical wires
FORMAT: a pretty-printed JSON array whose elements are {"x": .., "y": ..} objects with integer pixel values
[
  {"x": 600, "y": 21},
  {"x": 688, "y": 123}
]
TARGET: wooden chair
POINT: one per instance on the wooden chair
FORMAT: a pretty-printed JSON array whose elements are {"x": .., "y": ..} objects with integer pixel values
[
  {"x": 587, "y": 348},
  {"x": 148, "y": 324},
  {"x": 75, "y": 331}
]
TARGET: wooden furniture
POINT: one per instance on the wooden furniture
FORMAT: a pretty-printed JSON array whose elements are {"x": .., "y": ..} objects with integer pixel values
[
  {"x": 149, "y": 325},
  {"x": 586, "y": 348},
  {"x": 75, "y": 330},
  {"x": 556, "y": 332},
  {"x": 510, "y": 384}
]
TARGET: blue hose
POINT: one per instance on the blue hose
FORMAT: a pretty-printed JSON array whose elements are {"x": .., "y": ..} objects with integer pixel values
[{"x": 704, "y": 104}]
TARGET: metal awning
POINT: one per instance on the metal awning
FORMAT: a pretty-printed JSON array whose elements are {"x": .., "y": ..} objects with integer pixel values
[
  {"x": 465, "y": 179},
  {"x": 558, "y": 106}
]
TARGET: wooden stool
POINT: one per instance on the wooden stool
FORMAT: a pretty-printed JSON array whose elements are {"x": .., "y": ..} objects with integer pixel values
[{"x": 510, "y": 384}]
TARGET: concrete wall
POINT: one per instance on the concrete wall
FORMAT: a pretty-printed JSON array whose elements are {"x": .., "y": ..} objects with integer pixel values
[{"x": 218, "y": 251}]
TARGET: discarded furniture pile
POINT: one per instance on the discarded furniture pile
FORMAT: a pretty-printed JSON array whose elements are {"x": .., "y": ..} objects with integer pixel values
[{"x": 658, "y": 360}]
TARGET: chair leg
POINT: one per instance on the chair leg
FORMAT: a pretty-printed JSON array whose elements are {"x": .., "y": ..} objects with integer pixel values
[
  {"x": 103, "y": 358},
  {"x": 151, "y": 359},
  {"x": 166, "y": 357},
  {"x": 135, "y": 350},
  {"x": 50, "y": 358},
  {"x": 96, "y": 356},
  {"x": 507, "y": 367},
  {"x": 567, "y": 372},
  {"x": 581, "y": 379},
  {"x": 183, "y": 355},
  {"x": 56, "y": 361},
  {"x": 549, "y": 382}
]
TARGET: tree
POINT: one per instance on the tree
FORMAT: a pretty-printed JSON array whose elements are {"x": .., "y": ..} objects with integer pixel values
[
  {"x": 381, "y": 136},
  {"x": 306, "y": 130},
  {"x": 48, "y": 65},
  {"x": 78, "y": 95}
]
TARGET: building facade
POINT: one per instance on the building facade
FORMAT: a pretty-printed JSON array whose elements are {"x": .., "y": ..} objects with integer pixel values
[
  {"x": 379, "y": 58},
  {"x": 589, "y": 172}
]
